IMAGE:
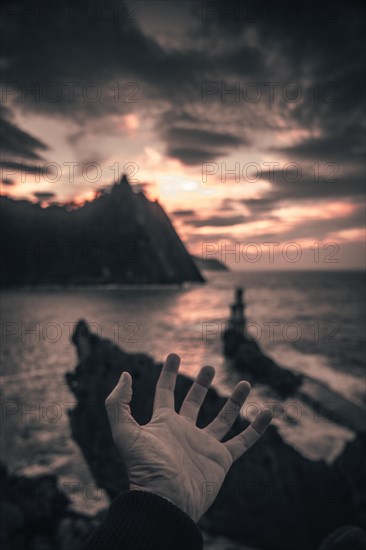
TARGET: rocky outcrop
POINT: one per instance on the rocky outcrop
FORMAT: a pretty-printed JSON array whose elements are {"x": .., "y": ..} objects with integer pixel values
[
  {"x": 273, "y": 498},
  {"x": 119, "y": 237},
  {"x": 246, "y": 356},
  {"x": 249, "y": 359},
  {"x": 35, "y": 515}
]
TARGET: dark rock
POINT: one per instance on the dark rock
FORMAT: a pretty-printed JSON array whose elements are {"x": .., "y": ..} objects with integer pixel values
[
  {"x": 348, "y": 537},
  {"x": 35, "y": 515},
  {"x": 249, "y": 359},
  {"x": 352, "y": 467},
  {"x": 246, "y": 356},
  {"x": 119, "y": 237},
  {"x": 273, "y": 498}
]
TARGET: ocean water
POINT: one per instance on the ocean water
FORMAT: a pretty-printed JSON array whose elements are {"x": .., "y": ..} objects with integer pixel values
[{"x": 311, "y": 322}]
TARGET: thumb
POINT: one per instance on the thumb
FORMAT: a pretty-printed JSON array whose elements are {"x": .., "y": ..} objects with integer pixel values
[{"x": 123, "y": 425}]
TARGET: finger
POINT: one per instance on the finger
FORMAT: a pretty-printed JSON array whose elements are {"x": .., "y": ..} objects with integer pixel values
[
  {"x": 239, "y": 444},
  {"x": 197, "y": 393},
  {"x": 124, "y": 427},
  {"x": 164, "y": 394},
  {"x": 229, "y": 412}
]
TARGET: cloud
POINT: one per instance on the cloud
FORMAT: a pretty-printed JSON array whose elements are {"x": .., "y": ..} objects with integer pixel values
[
  {"x": 8, "y": 181},
  {"x": 16, "y": 142},
  {"x": 346, "y": 147},
  {"x": 11, "y": 168},
  {"x": 242, "y": 61},
  {"x": 315, "y": 47},
  {"x": 194, "y": 146},
  {"x": 197, "y": 137},
  {"x": 286, "y": 190},
  {"x": 183, "y": 213},
  {"x": 317, "y": 229},
  {"x": 79, "y": 75},
  {"x": 217, "y": 221},
  {"x": 44, "y": 195},
  {"x": 193, "y": 157}
]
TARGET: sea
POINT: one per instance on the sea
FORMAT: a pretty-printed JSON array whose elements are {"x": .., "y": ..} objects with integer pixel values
[{"x": 310, "y": 322}]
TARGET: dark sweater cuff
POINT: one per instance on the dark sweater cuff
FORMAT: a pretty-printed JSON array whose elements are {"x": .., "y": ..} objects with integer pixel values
[{"x": 142, "y": 520}]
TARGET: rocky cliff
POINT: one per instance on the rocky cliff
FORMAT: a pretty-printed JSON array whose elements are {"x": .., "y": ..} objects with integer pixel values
[
  {"x": 273, "y": 498},
  {"x": 35, "y": 515},
  {"x": 119, "y": 237}
]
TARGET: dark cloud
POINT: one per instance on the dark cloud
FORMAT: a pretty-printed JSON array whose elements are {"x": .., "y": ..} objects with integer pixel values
[
  {"x": 242, "y": 61},
  {"x": 9, "y": 167},
  {"x": 317, "y": 46},
  {"x": 262, "y": 206},
  {"x": 197, "y": 137},
  {"x": 227, "y": 204},
  {"x": 317, "y": 229},
  {"x": 183, "y": 213},
  {"x": 285, "y": 189},
  {"x": 44, "y": 195},
  {"x": 194, "y": 146},
  {"x": 265, "y": 42},
  {"x": 16, "y": 142},
  {"x": 324, "y": 227},
  {"x": 217, "y": 221},
  {"x": 346, "y": 148},
  {"x": 193, "y": 157},
  {"x": 76, "y": 67}
]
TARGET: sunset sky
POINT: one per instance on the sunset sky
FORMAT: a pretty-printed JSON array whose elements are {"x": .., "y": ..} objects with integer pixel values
[{"x": 244, "y": 119}]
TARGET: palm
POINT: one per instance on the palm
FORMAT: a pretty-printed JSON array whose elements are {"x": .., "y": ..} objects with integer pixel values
[{"x": 171, "y": 456}]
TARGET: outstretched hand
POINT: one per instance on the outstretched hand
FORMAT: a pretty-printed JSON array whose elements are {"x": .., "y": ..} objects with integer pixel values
[{"x": 170, "y": 456}]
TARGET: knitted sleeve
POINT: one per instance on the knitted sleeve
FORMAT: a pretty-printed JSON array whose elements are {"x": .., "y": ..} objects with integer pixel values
[{"x": 142, "y": 520}]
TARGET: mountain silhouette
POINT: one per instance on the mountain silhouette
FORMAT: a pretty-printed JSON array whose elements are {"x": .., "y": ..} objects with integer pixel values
[{"x": 119, "y": 237}]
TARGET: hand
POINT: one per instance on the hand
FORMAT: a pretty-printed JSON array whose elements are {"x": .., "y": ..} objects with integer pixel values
[{"x": 171, "y": 456}]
